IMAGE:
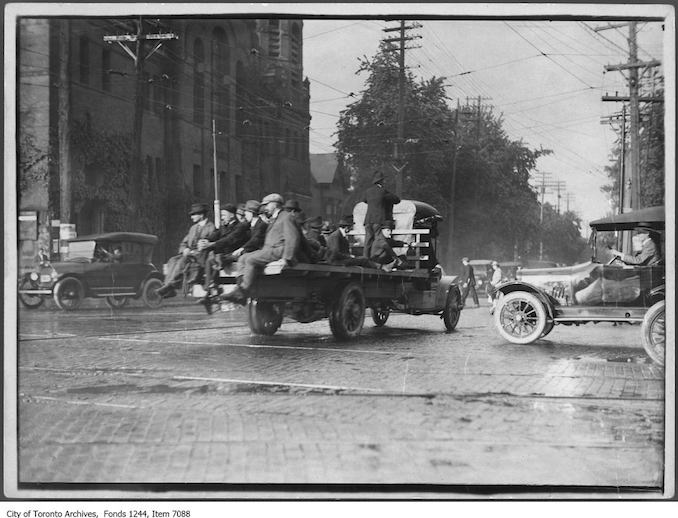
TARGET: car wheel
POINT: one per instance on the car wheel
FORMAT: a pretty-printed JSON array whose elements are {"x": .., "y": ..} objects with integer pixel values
[
  {"x": 264, "y": 318},
  {"x": 29, "y": 301},
  {"x": 68, "y": 293},
  {"x": 379, "y": 315},
  {"x": 149, "y": 293},
  {"x": 347, "y": 315},
  {"x": 520, "y": 317},
  {"x": 653, "y": 332},
  {"x": 117, "y": 301},
  {"x": 451, "y": 311}
]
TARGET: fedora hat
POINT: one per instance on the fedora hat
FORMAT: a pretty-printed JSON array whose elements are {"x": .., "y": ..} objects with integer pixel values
[
  {"x": 229, "y": 207},
  {"x": 273, "y": 197},
  {"x": 378, "y": 177},
  {"x": 316, "y": 222},
  {"x": 644, "y": 228},
  {"x": 345, "y": 222},
  {"x": 292, "y": 205},
  {"x": 198, "y": 208},
  {"x": 389, "y": 223},
  {"x": 252, "y": 206}
]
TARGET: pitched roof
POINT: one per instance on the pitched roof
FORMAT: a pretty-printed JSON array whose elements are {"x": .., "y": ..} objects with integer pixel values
[{"x": 323, "y": 167}]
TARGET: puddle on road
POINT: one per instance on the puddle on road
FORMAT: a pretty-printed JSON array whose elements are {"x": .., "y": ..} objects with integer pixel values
[{"x": 215, "y": 388}]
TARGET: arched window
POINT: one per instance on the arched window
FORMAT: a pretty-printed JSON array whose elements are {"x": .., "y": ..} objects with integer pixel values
[
  {"x": 198, "y": 81},
  {"x": 274, "y": 38}
]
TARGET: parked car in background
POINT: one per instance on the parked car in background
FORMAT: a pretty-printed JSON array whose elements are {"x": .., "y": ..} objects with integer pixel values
[
  {"x": 115, "y": 266},
  {"x": 482, "y": 271},
  {"x": 595, "y": 291}
]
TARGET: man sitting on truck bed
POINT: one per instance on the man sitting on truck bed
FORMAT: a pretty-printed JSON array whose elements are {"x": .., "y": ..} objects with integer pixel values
[
  {"x": 339, "y": 250},
  {"x": 281, "y": 243},
  {"x": 382, "y": 249}
]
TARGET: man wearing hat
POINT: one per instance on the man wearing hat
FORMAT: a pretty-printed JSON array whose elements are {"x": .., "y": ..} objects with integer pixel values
[
  {"x": 649, "y": 250},
  {"x": 202, "y": 228},
  {"x": 382, "y": 249},
  {"x": 281, "y": 243},
  {"x": 240, "y": 212},
  {"x": 468, "y": 280},
  {"x": 257, "y": 229},
  {"x": 312, "y": 227},
  {"x": 222, "y": 242},
  {"x": 379, "y": 209},
  {"x": 339, "y": 249}
]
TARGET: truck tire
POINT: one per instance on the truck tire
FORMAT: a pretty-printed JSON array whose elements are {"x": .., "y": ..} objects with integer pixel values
[
  {"x": 347, "y": 314},
  {"x": 451, "y": 310},
  {"x": 117, "y": 301},
  {"x": 520, "y": 317},
  {"x": 264, "y": 318},
  {"x": 653, "y": 332}
]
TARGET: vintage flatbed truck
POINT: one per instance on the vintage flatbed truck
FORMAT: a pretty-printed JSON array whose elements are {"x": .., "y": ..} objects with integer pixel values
[{"x": 342, "y": 294}]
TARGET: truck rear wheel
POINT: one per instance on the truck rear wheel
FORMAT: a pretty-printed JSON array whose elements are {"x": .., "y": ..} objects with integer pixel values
[
  {"x": 653, "y": 332},
  {"x": 264, "y": 318},
  {"x": 451, "y": 311},
  {"x": 348, "y": 312}
]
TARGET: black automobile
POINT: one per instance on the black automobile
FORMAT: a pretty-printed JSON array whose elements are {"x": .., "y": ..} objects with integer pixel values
[
  {"x": 591, "y": 292},
  {"x": 115, "y": 266}
]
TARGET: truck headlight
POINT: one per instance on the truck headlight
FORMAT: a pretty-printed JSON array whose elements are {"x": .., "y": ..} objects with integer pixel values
[{"x": 34, "y": 276}]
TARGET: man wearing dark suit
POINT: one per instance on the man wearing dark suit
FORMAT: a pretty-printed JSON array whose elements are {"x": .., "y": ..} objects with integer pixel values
[
  {"x": 257, "y": 229},
  {"x": 281, "y": 244},
  {"x": 222, "y": 242},
  {"x": 201, "y": 229},
  {"x": 339, "y": 249},
  {"x": 379, "y": 209},
  {"x": 468, "y": 279},
  {"x": 382, "y": 249}
]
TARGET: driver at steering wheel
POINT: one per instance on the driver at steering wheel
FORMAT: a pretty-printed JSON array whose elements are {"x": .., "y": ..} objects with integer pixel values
[{"x": 649, "y": 253}]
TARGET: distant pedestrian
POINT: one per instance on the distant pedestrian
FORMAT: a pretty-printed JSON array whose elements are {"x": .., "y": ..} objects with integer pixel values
[
  {"x": 495, "y": 281},
  {"x": 379, "y": 209},
  {"x": 469, "y": 283}
]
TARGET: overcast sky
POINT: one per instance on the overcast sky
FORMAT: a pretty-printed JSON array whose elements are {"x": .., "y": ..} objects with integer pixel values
[{"x": 553, "y": 101}]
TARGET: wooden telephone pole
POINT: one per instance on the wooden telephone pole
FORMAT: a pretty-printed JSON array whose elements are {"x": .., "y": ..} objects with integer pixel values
[{"x": 139, "y": 57}]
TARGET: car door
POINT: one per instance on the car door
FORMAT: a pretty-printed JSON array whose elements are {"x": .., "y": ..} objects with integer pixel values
[
  {"x": 128, "y": 270},
  {"x": 621, "y": 285}
]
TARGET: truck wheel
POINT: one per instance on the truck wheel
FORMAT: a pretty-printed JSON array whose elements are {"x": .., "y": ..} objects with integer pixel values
[
  {"x": 149, "y": 293},
  {"x": 653, "y": 332},
  {"x": 68, "y": 293},
  {"x": 451, "y": 310},
  {"x": 348, "y": 312},
  {"x": 379, "y": 315},
  {"x": 520, "y": 317},
  {"x": 264, "y": 318},
  {"x": 117, "y": 301},
  {"x": 29, "y": 301}
]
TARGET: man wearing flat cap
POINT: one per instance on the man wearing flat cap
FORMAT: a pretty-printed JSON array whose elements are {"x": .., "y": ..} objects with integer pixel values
[
  {"x": 202, "y": 228},
  {"x": 339, "y": 249},
  {"x": 649, "y": 253},
  {"x": 221, "y": 243},
  {"x": 312, "y": 228},
  {"x": 281, "y": 243},
  {"x": 379, "y": 209}
]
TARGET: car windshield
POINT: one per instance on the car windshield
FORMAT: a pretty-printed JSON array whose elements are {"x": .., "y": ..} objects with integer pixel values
[{"x": 80, "y": 250}]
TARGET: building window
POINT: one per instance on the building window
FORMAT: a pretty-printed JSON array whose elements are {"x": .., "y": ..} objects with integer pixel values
[
  {"x": 84, "y": 60},
  {"x": 239, "y": 98},
  {"x": 198, "y": 81},
  {"x": 197, "y": 182},
  {"x": 274, "y": 38},
  {"x": 105, "y": 67},
  {"x": 295, "y": 45}
]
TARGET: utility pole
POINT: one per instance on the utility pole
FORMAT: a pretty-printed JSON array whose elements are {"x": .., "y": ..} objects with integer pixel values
[
  {"x": 63, "y": 122},
  {"x": 544, "y": 176},
  {"x": 217, "y": 209},
  {"x": 399, "y": 162},
  {"x": 139, "y": 59}
]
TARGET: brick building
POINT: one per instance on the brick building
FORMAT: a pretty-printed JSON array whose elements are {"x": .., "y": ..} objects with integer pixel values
[{"x": 76, "y": 118}]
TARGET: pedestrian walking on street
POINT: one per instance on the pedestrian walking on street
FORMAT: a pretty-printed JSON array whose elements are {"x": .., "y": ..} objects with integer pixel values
[
  {"x": 469, "y": 283},
  {"x": 495, "y": 281},
  {"x": 379, "y": 209}
]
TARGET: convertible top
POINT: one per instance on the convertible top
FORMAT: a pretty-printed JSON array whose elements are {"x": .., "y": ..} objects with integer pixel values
[
  {"x": 134, "y": 237},
  {"x": 654, "y": 216}
]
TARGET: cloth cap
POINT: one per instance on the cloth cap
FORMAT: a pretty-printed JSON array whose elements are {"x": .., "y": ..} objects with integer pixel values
[
  {"x": 464, "y": 259},
  {"x": 252, "y": 206},
  {"x": 198, "y": 208},
  {"x": 378, "y": 177},
  {"x": 344, "y": 222},
  {"x": 241, "y": 209},
  {"x": 273, "y": 197},
  {"x": 229, "y": 207}
]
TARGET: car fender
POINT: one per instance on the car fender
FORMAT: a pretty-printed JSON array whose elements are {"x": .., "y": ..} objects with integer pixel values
[
  {"x": 446, "y": 283},
  {"x": 656, "y": 294},
  {"x": 511, "y": 286}
]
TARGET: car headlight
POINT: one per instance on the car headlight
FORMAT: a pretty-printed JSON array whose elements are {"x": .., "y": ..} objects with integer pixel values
[{"x": 34, "y": 276}]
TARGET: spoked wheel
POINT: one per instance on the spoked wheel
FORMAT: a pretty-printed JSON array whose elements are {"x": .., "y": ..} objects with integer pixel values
[
  {"x": 520, "y": 317},
  {"x": 347, "y": 315},
  {"x": 27, "y": 300},
  {"x": 68, "y": 293},
  {"x": 117, "y": 301},
  {"x": 379, "y": 315},
  {"x": 452, "y": 311},
  {"x": 654, "y": 333},
  {"x": 149, "y": 293},
  {"x": 264, "y": 318}
]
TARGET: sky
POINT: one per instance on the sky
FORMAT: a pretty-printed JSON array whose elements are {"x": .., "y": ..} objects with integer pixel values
[{"x": 551, "y": 101}]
